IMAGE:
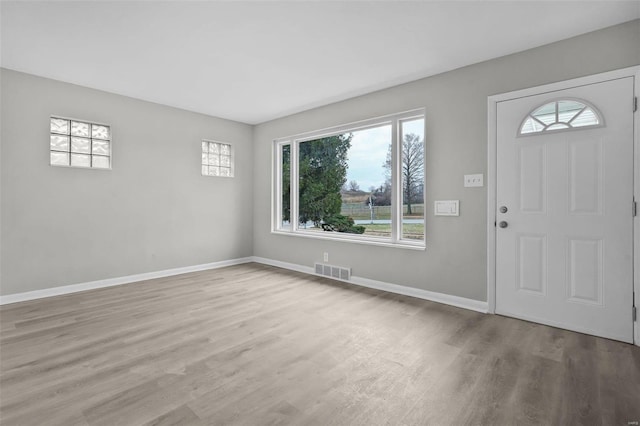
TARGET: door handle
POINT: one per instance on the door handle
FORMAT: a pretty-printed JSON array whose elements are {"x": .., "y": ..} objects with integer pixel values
[{"x": 503, "y": 224}]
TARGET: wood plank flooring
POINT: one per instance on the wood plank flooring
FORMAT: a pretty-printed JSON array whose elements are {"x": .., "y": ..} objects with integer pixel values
[{"x": 257, "y": 345}]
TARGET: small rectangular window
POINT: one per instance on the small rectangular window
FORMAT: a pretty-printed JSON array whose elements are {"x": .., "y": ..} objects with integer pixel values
[
  {"x": 217, "y": 159},
  {"x": 78, "y": 143}
]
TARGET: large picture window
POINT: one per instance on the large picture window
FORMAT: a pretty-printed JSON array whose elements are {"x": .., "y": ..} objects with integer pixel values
[{"x": 362, "y": 182}]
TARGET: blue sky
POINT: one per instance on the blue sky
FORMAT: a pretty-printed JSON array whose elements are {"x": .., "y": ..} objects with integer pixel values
[{"x": 368, "y": 153}]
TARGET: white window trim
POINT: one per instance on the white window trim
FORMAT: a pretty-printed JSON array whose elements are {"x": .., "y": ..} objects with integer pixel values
[{"x": 396, "y": 207}]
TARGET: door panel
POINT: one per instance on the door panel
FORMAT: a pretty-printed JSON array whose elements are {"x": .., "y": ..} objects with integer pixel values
[
  {"x": 584, "y": 266},
  {"x": 531, "y": 261},
  {"x": 586, "y": 176},
  {"x": 533, "y": 178},
  {"x": 565, "y": 255}
]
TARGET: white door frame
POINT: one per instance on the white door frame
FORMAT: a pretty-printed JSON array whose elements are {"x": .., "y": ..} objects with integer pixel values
[{"x": 492, "y": 104}]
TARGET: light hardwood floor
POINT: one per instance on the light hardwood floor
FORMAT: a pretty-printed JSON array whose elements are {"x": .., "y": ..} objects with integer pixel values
[{"x": 257, "y": 345}]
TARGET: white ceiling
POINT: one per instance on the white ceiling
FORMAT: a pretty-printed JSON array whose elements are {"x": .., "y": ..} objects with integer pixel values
[{"x": 256, "y": 61}]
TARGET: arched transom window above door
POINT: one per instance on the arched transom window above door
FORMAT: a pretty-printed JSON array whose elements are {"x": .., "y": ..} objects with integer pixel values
[{"x": 563, "y": 114}]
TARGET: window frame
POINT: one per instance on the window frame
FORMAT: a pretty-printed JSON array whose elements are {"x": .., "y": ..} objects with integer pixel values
[
  {"x": 91, "y": 123},
  {"x": 231, "y": 156},
  {"x": 546, "y": 130},
  {"x": 294, "y": 229}
]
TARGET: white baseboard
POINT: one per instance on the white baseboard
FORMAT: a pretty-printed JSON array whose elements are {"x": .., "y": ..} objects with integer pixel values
[
  {"x": 284, "y": 265},
  {"x": 74, "y": 288},
  {"x": 447, "y": 299}
]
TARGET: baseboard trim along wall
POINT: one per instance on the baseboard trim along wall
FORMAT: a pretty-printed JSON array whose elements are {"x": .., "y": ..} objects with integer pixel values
[
  {"x": 460, "y": 302},
  {"x": 109, "y": 282}
]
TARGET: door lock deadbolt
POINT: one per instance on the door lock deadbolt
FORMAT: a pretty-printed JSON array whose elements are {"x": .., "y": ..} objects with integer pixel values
[{"x": 503, "y": 209}]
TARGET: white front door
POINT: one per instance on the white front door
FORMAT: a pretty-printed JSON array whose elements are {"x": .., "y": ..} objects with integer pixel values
[{"x": 564, "y": 208}]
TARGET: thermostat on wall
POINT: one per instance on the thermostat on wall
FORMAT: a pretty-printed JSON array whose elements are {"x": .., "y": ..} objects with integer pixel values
[{"x": 447, "y": 208}]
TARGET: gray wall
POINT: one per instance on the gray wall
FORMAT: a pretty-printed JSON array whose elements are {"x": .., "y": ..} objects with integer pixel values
[
  {"x": 456, "y": 117},
  {"x": 153, "y": 211}
]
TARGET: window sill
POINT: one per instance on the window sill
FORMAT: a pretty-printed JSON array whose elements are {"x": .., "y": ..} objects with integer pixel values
[{"x": 408, "y": 245}]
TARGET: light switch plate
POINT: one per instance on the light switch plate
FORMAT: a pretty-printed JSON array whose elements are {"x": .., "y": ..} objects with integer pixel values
[
  {"x": 447, "y": 208},
  {"x": 473, "y": 180}
]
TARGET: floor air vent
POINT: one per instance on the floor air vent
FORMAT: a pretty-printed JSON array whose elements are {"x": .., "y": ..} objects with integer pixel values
[{"x": 333, "y": 271}]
